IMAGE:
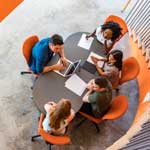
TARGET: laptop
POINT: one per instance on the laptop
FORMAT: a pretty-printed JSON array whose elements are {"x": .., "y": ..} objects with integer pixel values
[
  {"x": 89, "y": 67},
  {"x": 70, "y": 69}
]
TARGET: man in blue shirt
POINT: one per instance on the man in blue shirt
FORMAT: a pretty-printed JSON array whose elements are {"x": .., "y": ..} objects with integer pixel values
[{"x": 43, "y": 52}]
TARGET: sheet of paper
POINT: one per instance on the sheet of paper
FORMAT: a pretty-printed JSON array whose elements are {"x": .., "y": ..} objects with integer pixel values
[
  {"x": 95, "y": 55},
  {"x": 76, "y": 84},
  {"x": 84, "y": 43}
]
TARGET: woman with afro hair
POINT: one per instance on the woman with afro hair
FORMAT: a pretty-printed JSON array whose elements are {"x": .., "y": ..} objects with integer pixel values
[{"x": 107, "y": 34}]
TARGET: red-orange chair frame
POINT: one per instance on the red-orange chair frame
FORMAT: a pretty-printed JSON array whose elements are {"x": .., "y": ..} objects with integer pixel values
[
  {"x": 121, "y": 22},
  {"x": 118, "y": 107},
  {"x": 51, "y": 139},
  {"x": 27, "y": 50}
]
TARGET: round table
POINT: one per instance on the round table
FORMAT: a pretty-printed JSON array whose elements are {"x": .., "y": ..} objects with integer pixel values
[{"x": 51, "y": 86}]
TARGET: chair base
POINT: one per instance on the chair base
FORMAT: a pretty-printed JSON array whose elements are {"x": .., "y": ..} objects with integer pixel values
[
  {"x": 95, "y": 124},
  {"x": 35, "y": 136},
  {"x": 78, "y": 124},
  {"x": 25, "y": 72},
  {"x": 49, "y": 146}
]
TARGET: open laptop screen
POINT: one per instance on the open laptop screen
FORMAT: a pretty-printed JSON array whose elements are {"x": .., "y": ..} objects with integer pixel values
[
  {"x": 66, "y": 68},
  {"x": 73, "y": 67}
]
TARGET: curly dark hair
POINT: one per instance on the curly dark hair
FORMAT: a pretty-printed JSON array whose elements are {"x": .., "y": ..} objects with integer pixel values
[
  {"x": 115, "y": 27},
  {"x": 118, "y": 56}
]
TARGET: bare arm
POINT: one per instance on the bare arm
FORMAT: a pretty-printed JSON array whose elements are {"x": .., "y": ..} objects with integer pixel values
[
  {"x": 86, "y": 96},
  {"x": 108, "y": 48},
  {"x": 91, "y": 35},
  {"x": 53, "y": 67},
  {"x": 100, "y": 71},
  {"x": 63, "y": 58},
  {"x": 90, "y": 84},
  {"x": 49, "y": 106},
  {"x": 72, "y": 115},
  {"x": 61, "y": 53},
  {"x": 95, "y": 59}
]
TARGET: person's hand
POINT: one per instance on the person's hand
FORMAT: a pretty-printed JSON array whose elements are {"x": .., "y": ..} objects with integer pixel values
[
  {"x": 94, "y": 59},
  {"x": 87, "y": 37},
  {"x": 52, "y": 103},
  {"x": 59, "y": 67},
  {"x": 90, "y": 87},
  {"x": 64, "y": 61},
  {"x": 90, "y": 84},
  {"x": 96, "y": 65}
]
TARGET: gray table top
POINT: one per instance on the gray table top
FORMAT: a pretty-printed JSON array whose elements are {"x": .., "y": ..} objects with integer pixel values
[{"x": 50, "y": 86}]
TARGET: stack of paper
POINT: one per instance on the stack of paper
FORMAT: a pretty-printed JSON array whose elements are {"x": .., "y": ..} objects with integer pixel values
[
  {"x": 100, "y": 63},
  {"x": 76, "y": 84},
  {"x": 84, "y": 43}
]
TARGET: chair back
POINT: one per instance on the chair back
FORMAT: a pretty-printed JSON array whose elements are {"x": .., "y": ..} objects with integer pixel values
[
  {"x": 130, "y": 69},
  {"x": 120, "y": 21},
  {"x": 118, "y": 107},
  {"x": 27, "y": 47},
  {"x": 56, "y": 140}
]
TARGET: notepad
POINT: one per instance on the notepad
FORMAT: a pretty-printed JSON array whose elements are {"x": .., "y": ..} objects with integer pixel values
[
  {"x": 84, "y": 43},
  {"x": 100, "y": 63},
  {"x": 76, "y": 84}
]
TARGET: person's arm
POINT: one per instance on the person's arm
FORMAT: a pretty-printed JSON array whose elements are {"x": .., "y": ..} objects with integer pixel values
[
  {"x": 100, "y": 71},
  {"x": 40, "y": 68},
  {"x": 95, "y": 59},
  {"x": 91, "y": 35},
  {"x": 108, "y": 48},
  {"x": 62, "y": 57},
  {"x": 49, "y": 106},
  {"x": 72, "y": 115},
  {"x": 90, "y": 84},
  {"x": 86, "y": 96},
  {"x": 53, "y": 67}
]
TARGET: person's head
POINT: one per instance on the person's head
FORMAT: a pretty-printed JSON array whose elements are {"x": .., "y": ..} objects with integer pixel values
[
  {"x": 111, "y": 30},
  {"x": 115, "y": 57},
  {"x": 61, "y": 112},
  {"x": 100, "y": 84},
  {"x": 56, "y": 43}
]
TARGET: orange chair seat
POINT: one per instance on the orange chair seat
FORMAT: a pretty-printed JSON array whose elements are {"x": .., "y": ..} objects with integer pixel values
[
  {"x": 118, "y": 107},
  {"x": 56, "y": 140}
]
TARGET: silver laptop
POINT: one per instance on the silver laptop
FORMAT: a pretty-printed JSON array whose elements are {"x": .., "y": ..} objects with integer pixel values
[{"x": 70, "y": 69}]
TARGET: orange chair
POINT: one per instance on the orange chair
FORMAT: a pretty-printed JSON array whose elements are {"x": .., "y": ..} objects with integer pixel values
[
  {"x": 130, "y": 70},
  {"x": 118, "y": 107},
  {"x": 120, "y": 21},
  {"x": 27, "y": 49},
  {"x": 51, "y": 139}
]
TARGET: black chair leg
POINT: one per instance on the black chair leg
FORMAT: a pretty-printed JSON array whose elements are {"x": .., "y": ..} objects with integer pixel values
[
  {"x": 97, "y": 128},
  {"x": 83, "y": 120},
  {"x": 35, "y": 136},
  {"x": 25, "y": 72},
  {"x": 117, "y": 90},
  {"x": 49, "y": 146},
  {"x": 34, "y": 82}
]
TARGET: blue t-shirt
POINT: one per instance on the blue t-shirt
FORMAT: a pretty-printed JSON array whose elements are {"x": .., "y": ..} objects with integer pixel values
[{"x": 41, "y": 55}]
